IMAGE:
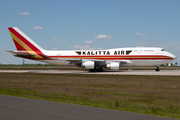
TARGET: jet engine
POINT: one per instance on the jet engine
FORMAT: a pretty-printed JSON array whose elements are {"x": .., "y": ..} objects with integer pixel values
[
  {"x": 113, "y": 66},
  {"x": 88, "y": 65}
]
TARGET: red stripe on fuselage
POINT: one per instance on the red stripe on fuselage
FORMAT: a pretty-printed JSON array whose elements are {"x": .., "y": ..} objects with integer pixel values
[
  {"x": 109, "y": 57},
  {"x": 116, "y": 57},
  {"x": 25, "y": 41}
]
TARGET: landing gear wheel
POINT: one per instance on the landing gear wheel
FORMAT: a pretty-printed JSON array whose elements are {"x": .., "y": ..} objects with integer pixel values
[
  {"x": 95, "y": 70},
  {"x": 157, "y": 69},
  {"x": 92, "y": 70},
  {"x": 99, "y": 70}
]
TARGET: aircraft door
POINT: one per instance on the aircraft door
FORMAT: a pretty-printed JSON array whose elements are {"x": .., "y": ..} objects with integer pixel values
[{"x": 139, "y": 50}]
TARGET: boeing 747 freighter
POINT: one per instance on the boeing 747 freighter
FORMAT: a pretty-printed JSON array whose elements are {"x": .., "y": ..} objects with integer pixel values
[{"x": 94, "y": 60}]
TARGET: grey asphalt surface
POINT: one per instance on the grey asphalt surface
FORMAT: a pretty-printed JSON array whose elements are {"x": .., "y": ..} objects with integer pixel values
[
  {"x": 18, "y": 108},
  {"x": 131, "y": 72}
]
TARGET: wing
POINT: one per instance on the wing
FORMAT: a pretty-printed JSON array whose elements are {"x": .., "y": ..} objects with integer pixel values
[{"x": 97, "y": 63}]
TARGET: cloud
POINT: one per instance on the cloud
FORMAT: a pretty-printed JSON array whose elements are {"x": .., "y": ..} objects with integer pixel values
[
  {"x": 88, "y": 42},
  {"x": 52, "y": 39},
  {"x": 84, "y": 48},
  {"x": 177, "y": 49},
  {"x": 103, "y": 37},
  {"x": 55, "y": 38},
  {"x": 97, "y": 48},
  {"x": 23, "y": 13},
  {"x": 38, "y": 27},
  {"x": 139, "y": 34},
  {"x": 80, "y": 47},
  {"x": 66, "y": 24}
]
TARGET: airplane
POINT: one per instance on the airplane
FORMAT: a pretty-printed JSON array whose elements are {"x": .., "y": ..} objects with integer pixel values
[{"x": 94, "y": 60}]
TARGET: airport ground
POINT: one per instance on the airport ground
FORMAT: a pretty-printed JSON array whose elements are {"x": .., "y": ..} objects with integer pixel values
[
  {"x": 19, "y": 108},
  {"x": 155, "y": 95},
  {"x": 73, "y": 67}
]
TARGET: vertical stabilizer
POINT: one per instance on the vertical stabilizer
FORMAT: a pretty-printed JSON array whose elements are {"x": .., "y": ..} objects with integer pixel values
[{"x": 23, "y": 42}]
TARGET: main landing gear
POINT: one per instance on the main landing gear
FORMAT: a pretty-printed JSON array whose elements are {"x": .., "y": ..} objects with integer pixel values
[
  {"x": 95, "y": 70},
  {"x": 157, "y": 69}
]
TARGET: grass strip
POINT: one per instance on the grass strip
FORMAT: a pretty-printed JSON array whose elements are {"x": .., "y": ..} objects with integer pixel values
[{"x": 155, "y": 95}]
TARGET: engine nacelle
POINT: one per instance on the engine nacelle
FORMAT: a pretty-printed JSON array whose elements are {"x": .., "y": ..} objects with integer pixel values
[
  {"x": 88, "y": 65},
  {"x": 113, "y": 66}
]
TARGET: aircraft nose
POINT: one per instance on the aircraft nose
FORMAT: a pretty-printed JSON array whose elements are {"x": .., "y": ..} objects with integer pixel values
[{"x": 174, "y": 57}]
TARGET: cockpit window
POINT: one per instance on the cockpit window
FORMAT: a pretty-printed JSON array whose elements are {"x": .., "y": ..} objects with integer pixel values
[{"x": 163, "y": 50}]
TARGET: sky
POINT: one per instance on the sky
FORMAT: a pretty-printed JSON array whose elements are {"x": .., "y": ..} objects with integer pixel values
[{"x": 91, "y": 24}]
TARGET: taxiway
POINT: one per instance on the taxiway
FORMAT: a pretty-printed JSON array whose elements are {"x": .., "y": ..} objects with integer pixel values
[
  {"x": 130, "y": 72},
  {"x": 17, "y": 108}
]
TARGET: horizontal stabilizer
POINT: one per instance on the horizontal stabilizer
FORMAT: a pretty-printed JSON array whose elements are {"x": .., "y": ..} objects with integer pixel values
[
  {"x": 16, "y": 53},
  {"x": 46, "y": 57}
]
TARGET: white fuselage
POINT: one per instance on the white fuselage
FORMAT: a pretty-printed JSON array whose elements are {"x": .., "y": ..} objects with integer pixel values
[{"x": 138, "y": 56}]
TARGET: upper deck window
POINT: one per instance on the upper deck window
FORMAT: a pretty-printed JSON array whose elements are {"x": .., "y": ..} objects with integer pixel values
[
  {"x": 163, "y": 50},
  {"x": 148, "y": 50}
]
